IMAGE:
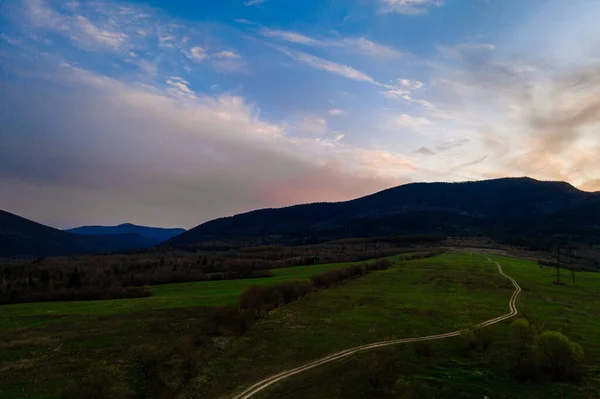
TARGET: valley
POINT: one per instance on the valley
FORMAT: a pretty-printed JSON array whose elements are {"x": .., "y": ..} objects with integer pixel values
[{"x": 55, "y": 344}]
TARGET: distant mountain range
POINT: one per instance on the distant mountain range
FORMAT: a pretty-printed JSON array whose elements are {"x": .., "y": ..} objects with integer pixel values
[
  {"x": 156, "y": 234},
  {"x": 510, "y": 207},
  {"x": 498, "y": 208},
  {"x": 23, "y": 237}
]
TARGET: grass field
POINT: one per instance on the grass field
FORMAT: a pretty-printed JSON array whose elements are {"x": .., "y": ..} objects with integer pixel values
[
  {"x": 417, "y": 298},
  {"x": 203, "y": 293},
  {"x": 43, "y": 346}
]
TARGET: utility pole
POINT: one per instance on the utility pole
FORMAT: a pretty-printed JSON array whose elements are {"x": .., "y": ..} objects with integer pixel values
[
  {"x": 558, "y": 267},
  {"x": 571, "y": 263}
]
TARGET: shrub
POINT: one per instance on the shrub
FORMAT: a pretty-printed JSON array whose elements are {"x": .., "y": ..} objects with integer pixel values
[
  {"x": 560, "y": 356},
  {"x": 525, "y": 334},
  {"x": 260, "y": 297},
  {"x": 381, "y": 264},
  {"x": 292, "y": 290},
  {"x": 266, "y": 297},
  {"x": 525, "y": 366},
  {"x": 332, "y": 277},
  {"x": 476, "y": 339}
]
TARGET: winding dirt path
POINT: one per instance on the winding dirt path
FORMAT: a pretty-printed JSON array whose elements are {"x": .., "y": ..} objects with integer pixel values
[{"x": 259, "y": 386}]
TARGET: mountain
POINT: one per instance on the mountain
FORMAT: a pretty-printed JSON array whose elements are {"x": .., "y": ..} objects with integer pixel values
[
  {"x": 156, "y": 234},
  {"x": 23, "y": 237},
  {"x": 501, "y": 207}
]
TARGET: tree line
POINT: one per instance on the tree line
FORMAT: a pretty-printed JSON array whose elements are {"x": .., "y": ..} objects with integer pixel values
[{"x": 114, "y": 276}]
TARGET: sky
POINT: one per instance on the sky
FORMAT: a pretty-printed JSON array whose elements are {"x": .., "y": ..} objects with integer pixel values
[{"x": 170, "y": 114}]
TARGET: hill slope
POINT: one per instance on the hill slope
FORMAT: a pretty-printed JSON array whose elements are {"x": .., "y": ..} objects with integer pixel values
[
  {"x": 156, "y": 234},
  {"x": 23, "y": 237},
  {"x": 510, "y": 206}
]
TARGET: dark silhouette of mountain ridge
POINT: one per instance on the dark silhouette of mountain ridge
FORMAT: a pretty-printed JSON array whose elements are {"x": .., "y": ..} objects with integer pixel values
[
  {"x": 23, "y": 237},
  {"x": 156, "y": 234},
  {"x": 507, "y": 206}
]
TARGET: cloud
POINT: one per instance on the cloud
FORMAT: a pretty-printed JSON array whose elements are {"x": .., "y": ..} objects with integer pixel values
[
  {"x": 108, "y": 38},
  {"x": 313, "y": 125},
  {"x": 197, "y": 54},
  {"x": 288, "y": 36},
  {"x": 448, "y": 145},
  {"x": 180, "y": 88},
  {"x": 411, "y": 84},
  {"x": 223, "y": 61},
  {"x": 403, "y": 91},
  {"x": 11, "y": 40},
  {"x": 394, "y": 94},
  {"x": 365, "y": 46},
  {"x": 412, "y": 122},
  {"x": 329, "y": 66},
  {"x": 359, "y": 45},
  {"x": 337, "y": 112},
  {"x": 425, "y": 151},
  {"x": 254, "y": 2},
  {"x": 76, "y": 27},
  {"x": 470, "y": 163},
  {"x": 166, "y": 41},
  {"x": 464, "y": 50},
  {"x": 226, "y": 54},
  {"x": 410, "y": 7},
  {"x": 167, "y": 155}
]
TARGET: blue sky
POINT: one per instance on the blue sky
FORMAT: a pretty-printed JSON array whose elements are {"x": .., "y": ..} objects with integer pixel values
[{"x": 173, "y": 113}]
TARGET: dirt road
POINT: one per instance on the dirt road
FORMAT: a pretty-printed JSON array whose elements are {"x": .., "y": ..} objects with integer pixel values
[{"x": 259, "y": 386}]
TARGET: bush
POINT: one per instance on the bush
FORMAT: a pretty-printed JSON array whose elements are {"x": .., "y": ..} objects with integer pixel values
[
  {"x": 560, "y": 356},
  {"x": 525, "y": 366},
  {"x": 266, "y": 297},
  {"x": 525, "y": 334},
  {"x": 292, "y": 290},
  {"x": 332, "y": 277},
  {"x": 476, "y": 339},
  {"x": 381, "y": 264},
  {"x": 260, "y": 297}
]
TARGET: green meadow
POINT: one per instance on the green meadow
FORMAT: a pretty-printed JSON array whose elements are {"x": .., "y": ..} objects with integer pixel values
[
  {"x": 422, "y": 297},
  {"x": 44, "y": 346},
  {"x": 168, "y": 296}
]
